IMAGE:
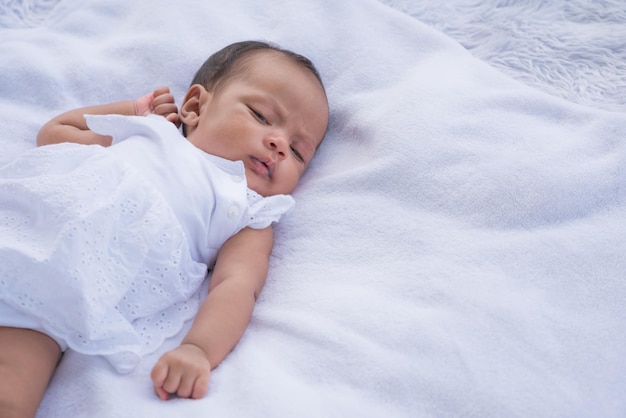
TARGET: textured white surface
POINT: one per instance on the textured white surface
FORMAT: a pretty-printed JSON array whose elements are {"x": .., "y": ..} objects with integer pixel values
[
  {"x": 572, "y": 49},
  {"x": 457, "y": 247}
]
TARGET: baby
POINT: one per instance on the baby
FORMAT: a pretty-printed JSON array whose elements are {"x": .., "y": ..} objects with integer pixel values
[{"x": 103, "y": 247}]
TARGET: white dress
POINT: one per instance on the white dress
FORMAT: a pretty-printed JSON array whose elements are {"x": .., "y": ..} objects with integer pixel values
[{"x": 106, "y": 248}]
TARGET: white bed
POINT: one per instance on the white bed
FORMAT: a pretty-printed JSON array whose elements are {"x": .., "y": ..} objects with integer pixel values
[{"x": 458, "y": 244}]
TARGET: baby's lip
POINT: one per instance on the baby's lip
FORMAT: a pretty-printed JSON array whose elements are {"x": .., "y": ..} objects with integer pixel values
[{"x": 263, "y": 166}]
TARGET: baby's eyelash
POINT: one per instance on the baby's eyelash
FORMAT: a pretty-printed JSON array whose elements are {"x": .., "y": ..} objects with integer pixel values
[
  {"x": 259, "y": 116},
  {"x": 297, "y": 154}
]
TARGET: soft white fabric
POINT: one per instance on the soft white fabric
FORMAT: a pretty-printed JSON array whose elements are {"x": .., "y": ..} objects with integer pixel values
[
  {"x": 458, "y": 244},
  {"x": 569, "y": 48},
  {"x": 107, "y": 248},
  {"x": 193, "y": 182}
]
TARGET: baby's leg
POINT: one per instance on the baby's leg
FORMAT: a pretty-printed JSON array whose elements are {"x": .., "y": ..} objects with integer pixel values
[{"x": 27, "y": 361}]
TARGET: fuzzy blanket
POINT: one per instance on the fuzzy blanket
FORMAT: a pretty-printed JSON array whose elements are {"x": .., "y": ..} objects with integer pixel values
[{"x": 458, "y": 244}]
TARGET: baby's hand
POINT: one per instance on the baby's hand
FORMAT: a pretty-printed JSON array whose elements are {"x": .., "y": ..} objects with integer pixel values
[
  {"x": 159, "y": 102},
  {"x": 184, "y": 371}
]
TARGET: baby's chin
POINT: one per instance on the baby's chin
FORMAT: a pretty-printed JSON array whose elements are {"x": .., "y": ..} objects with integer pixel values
[{"x": 265, "y": 191}]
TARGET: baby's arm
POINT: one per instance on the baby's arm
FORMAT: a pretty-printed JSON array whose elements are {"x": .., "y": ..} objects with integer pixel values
[
  {"x": 72, "y": 127},
  {"x": 237, "y": 280}
]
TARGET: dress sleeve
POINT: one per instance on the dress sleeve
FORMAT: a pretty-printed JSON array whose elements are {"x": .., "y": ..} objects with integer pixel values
[
  {"x": 120, "y": 127},
  {"x": 264, "y": 211}
]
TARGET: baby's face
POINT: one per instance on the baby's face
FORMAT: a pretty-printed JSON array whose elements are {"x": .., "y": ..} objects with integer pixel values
[{"x": 272, "y": 117}]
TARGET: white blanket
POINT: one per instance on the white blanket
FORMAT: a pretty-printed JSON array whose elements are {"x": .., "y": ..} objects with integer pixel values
[{"x": 458, "y": 244}]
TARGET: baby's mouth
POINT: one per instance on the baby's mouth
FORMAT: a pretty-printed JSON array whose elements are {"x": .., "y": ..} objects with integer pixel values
[{"x": 263, "y": 166}]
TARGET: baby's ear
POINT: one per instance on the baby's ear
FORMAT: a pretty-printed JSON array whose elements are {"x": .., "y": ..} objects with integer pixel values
[{"x": 190, "y": 109}]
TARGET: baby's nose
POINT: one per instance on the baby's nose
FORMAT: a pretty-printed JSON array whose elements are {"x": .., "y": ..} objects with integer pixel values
[{"x": 277, "y": 144}]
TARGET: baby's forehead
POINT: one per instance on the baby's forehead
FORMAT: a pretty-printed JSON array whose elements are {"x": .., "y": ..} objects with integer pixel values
[
  {"x": 264, "y": 62},
  {"x": 275, "y": 60},
  {"x": 249, "y": 64}
]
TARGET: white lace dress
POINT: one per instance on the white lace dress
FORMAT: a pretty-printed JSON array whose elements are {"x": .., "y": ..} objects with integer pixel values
[{"x": 105, "y": 248}]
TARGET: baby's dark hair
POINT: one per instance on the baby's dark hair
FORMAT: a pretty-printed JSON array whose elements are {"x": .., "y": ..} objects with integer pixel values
[{"x": 225, "y": 63}]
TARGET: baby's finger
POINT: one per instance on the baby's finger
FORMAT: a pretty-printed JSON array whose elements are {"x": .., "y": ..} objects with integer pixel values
[
  {"x": 158, "y": 375},
  {"x": 173, "y": 117},
  {"x": 161, "y": 90},
  {"x": 185, "y": 389},
  {"x": 165, "y": 109},
  {"x": 201, "y": 386},
  {"x": 163, "y": 100},
  {"x": 172, "y": 382},
  {"x": 162, "y": 393}
]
